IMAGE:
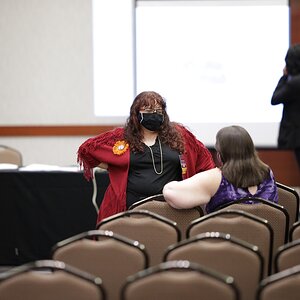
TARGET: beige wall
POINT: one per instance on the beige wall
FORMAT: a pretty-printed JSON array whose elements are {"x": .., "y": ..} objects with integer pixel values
[
  {"x": 46, "y": 62},
  {"x": 46, "y": 73}
]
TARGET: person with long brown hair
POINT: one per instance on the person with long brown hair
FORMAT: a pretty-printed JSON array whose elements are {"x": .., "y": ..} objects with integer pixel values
[
  {"x": 144, "y": 155},
  {"x": 241, "y": 174}
]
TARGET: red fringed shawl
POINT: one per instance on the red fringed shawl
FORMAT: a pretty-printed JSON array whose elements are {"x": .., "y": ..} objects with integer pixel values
[{"x": 100, "y": 149}]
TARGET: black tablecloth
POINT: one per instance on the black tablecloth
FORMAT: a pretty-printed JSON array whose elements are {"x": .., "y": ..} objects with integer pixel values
[{"x": 38, "y": 209}]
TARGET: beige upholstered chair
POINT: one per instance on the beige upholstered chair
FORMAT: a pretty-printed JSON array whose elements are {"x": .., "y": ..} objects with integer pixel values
[
  {"x": 276, "y": 214},
  {"x": 48, "y": 280},
  {"x": 104, "y": 254},
  {"x": 152, "y": 230},
  {"x": 281, "y": 286},
  {"x": 177, "y": 280},
  {"x": 287, "y": 256},
  {"x": 158, "y": 205},
  {"x": 294, "y": 233},
  {"x": 289, "y": 199},
  {"x": 225, "y": 254},
  {"x": 10, "y": 155},
  {"x": 239, "y": 224}
]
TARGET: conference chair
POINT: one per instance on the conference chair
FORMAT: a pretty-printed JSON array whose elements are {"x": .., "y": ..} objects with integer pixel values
[
  {"x": 225, "y": 254},
  {"x": 154, "y": 231},
  {"x": 48, "y": 280},
  {"x": 289, "y": 199},
  {"x": 105, "y": 254},
  {"x": 10, "y": 155},
  {"x": 241, "y": 225},
  {"x": 281, "y": 286},
  {"x": 158, "y": 205},
  {"x": 276, "y": 214},
  {"x": 177, "y": 280},
  {"x": 294, "y": 233},
  {"x": 287, "y": 256}
]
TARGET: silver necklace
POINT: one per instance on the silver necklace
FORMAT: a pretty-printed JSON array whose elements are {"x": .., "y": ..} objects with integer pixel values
[{"x": 161, "y": 159}]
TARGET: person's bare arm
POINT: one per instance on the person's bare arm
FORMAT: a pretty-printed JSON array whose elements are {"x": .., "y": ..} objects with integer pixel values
[{"x": 194, "y": 191}]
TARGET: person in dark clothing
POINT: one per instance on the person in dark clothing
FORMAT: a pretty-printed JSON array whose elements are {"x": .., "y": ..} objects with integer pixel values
[
  {"x": 287, "y": 92},
  {"x": 143, "y": 155}
]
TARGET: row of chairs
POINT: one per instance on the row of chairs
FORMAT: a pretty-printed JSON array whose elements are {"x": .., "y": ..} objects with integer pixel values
[
  {"x": 109, "y": 256},
  {"x": 176, "y": 280},
  {"x": 274, "y": 222},
  {"x": 47, "y": 280},
  {"x": 247, "y": 262},
  {"x": 155, "y": 235},
  {"x": 149, "y": 284},
  {"x": 288, "y": 198},
  {"x": 158, "y": 232},
  {"x": 115, "y": 267},
  {"x": 280, "y": 218}
]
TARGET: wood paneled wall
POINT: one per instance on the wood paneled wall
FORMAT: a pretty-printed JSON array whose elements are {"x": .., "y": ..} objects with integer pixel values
[
  {"x": 282, "y": 162},
  {"x": 295, "y": 21}
]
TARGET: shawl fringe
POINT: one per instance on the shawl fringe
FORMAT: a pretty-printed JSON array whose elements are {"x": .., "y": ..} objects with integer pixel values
[{"x": 85, "y": 161}]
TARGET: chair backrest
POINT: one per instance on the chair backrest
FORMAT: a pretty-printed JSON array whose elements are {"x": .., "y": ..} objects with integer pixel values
[
  {"x": 104, "y": 254},
  {"x": 282, "y": 285},
  {"x": 294, "y": 233},
  {"x": 287, "y": 256},
  {"x": 154, "y": 231},
  {"x": 276, "y": 214},
  {"x": 240, "y": 224},
  {"x": 177, "y": 280},
  {"x": 10, "y": 155},
  {"x": 158, "y": 205},
  {"x": 225, "y": 254},
  {"x": 48, "y": 280},
  {"x": 289, "y": 199}
]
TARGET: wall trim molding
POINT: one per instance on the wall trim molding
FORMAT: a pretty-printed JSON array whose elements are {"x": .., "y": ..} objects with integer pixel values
[{"x": 55, "y": 130}]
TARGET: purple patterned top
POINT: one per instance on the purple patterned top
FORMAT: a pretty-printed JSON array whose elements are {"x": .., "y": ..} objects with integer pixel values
[{"x": 227, "y": 192}]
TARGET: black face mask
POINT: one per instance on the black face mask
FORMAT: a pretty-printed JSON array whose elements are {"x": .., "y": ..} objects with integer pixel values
[{"x": 151, "y": 121}]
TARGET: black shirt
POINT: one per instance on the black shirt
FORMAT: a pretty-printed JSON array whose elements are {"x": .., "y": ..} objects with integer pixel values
[{"x": 143, "y": 181}]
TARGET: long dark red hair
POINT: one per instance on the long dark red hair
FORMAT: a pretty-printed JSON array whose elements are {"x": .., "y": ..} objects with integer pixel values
[{"x": 167, "y": 133}]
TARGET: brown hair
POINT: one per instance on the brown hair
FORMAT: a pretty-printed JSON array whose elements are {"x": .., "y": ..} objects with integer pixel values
[
  {"x": 241, "y": 165},
  {"x": 167, "y": 133}
]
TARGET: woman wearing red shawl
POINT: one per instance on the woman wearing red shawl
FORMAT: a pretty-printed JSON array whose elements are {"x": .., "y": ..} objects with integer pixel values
[{"x": 144, "y": 155}]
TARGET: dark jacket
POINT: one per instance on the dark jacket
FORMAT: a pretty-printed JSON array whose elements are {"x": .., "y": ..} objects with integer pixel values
[{"x": 287, "y": 92}]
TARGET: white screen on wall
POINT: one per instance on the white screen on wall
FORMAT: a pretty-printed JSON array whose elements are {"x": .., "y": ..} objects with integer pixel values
[{"x": 216, "y": 63}]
